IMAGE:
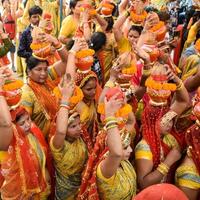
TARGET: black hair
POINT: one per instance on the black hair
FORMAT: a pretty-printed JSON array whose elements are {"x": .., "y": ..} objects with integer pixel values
[
  {"x": 196, "y": 16},
  {"x": 91, "y": 78},
  {"x": 70, "y": 44},
  {"x": 32, "y": 62},
  {"x": 114, "y": 12},
  {"x": 98, "y": 39},
  {"x": 35, "y": 10},
  {"x": 163, "y": 16},
  {"x": 72, "y": 3},
  {"x": 110, "y": 23},
  {"x": 151, "y": 9},
  {"x": 136, "y": 28}
]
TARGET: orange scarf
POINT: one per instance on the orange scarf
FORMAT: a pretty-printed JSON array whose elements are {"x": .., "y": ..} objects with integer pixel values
[
  {"x": 45, "y": 97},
  {"x": 27, "y": 163}
]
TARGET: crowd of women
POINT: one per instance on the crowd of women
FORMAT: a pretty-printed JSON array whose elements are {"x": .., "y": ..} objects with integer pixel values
[{"x": 107, "y": 106}]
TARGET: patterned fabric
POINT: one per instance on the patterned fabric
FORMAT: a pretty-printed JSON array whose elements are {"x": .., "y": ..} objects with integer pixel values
[
  {"x": 143, "y": 151},
  {"x": 24, "y": 49},
  {"x": 107, "y": 55},
  {"x": 25, "y": 176},
  {"x": 38, "y": 113},
  {"x": 69, "y": 27},
  {"x": 189, "y": 62},
  {"x": 159, "y": 3},
  {"x": 120, "y": 186},
  {"x": 188, "y": 176},
  {"x": 5, "y": 47},
  {"x": 69, "y": 163},
  {"x": 124, "y": 45}
]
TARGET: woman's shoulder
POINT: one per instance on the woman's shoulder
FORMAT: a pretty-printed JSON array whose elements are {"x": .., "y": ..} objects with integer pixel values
[
  {"x": 143, "y": 151},
  {"x": 187, "y": 175}
]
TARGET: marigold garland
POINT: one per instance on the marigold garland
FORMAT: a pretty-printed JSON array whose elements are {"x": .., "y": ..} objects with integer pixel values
[
  {"x": 122, "y": 112},
  {"x": 157, "y": 26},
  {"x": 84, "y": 53},
  {"x": 76, "y": 98},
  {"x": 11, "y": 85},
  {"x": 91, "y": 10},
  {"x": 150, "y": 83},
  {"x": 129, "y": 70},
  {"x": 36, "y": 46},
  {"x": 138, "y": 17}
]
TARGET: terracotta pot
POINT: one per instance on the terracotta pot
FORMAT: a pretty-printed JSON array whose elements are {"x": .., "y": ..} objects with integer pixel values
[
  {"x": 159, "y": 95},
  {"x": 112, "y": 91},
  {"x": 84, "y": 64}
]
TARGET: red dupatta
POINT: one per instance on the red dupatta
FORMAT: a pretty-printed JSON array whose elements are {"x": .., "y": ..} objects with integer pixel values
[
  {"x": 193, "y": 142},
  {"x": 27, "y": 163},
  {"x": 88, "y": 188},
  {"x": 151, "y": 130}
]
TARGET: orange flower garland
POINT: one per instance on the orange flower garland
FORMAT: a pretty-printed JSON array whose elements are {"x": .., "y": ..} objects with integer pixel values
[
  {"x": 84, "y": 53},
  {"x": 129, "y": 70},
  {"x": 11, "y": 85},
  {"x": 160, "y": 30},
  {"x": 75, "y": 99},
  {"x": 138, "y": 18},
  {"x": 157, "y": 26},
  {"x": 150, "y": 83},
  {"x": 12, "y": 91},
  {"x": 122, "y": 112}
]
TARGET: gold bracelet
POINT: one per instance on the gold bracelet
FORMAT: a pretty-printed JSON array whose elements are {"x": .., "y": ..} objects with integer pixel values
[
  {"x": 61, "y": 48},
  {"x": 163, "y": 168},
  {"x": 64, "y": 106},
  {"x": 146, "y": 72},
  {"x": 110, "y": 84},
  {"x": 111, "y": 122},
  {"x": 110, "y": 127},
  {"x": 127, "y": 13},
  {"x": 110, "y": 119},
  {"x": 179, "y": 86}
]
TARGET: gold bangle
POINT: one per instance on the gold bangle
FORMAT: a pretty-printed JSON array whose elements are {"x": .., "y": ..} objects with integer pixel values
[
  {"x": 110, "y": 119},
  {"x": 111, "y": 123},
  {"x": 64, "y": 106},
  {"x": 127, "y": 13},
  {"x": 179, "y": 86},
  {"x": 163, "y": 168},
  {"x": 110, "y": 127},
  {"x": 62, "y": 46},
  {"x": 110, "y": 84},
  {"x": 146, "y": 72}
]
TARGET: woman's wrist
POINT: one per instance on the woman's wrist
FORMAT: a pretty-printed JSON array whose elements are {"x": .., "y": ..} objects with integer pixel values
[
  {"x": 109, "y": 114},
  {"x": 65, "y": 99},
  {"x": 2, "y": 93},
  {"x": 73, "y": 52},
  {"x": 64, "y": 104}
]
